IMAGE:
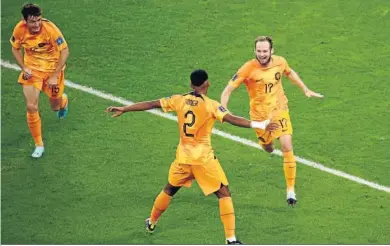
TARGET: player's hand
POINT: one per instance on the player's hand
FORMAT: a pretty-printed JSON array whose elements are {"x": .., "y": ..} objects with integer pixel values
[
  {"x": 272, "y": 127},
  {"x": 27, "y": 73},
  {"x": 118, "y": 111},
  {"x": 52, "y": 81},
  {"x": 310, "y": 93}
]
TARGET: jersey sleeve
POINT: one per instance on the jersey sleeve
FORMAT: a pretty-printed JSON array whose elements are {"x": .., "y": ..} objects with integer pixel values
[
  {"x": 170, "y": 103},
  {"x": 241, "y": 75},
  {"x": 219, "y": 111},
  {"x": 287, "y": 69},
  {"x": 17, "y": 36},
  {"x": 56, "y": 37}
]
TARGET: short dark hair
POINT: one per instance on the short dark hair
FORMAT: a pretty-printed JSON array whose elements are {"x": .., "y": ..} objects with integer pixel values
[
  {"x": 31, "y": 9},
  {"x": 198, "y": 77},
  {"x": 265, "y": 38}
]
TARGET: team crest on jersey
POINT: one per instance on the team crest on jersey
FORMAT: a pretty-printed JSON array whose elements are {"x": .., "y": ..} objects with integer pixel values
[
  {"x": 234, "y": 77},
  {"x": 278, "y": 75},
  {"x": 222, "y": 109},
  {"x": 59, "y": 41}
]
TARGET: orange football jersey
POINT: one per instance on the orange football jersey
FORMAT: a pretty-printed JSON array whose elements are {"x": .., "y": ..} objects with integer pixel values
[
  {"x": 264, "y": 86},
  {"x": 41, "y": 50},
  {"x": 196, "y": 116}
]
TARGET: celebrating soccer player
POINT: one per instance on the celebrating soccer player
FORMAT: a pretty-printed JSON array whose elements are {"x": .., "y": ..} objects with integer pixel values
[
  {"x": 43, "y": 64},
  {"x": 263, "y": 78},
  {"x": 195, "y": 157}
]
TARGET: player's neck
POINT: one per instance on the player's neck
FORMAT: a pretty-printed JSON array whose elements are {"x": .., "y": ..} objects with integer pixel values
[{"x": 200, "y": 91}]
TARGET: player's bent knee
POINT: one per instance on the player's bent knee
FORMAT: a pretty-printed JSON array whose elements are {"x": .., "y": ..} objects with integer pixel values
[
  {"x": 171, "y": 190},
  {"x": 268, "y": 148},
  {"x": 223, "y": 192},
  {"x": 286, "y": 148},
  {"x": 32, "y": 107}
]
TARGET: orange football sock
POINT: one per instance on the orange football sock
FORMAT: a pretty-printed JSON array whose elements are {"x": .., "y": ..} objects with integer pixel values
[
  {"x": 228, "y": 218},
  {"x": 290, "y": 169},
  {"x": 64, "y": 101},
  {"x": 160, "y": 205},
  {"x": 34, "y": 123}
]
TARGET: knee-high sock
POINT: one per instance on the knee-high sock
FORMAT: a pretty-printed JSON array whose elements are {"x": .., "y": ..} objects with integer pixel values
[
  {"x": 228, "y": 218},
  {"x": 160, "y": 205},
  {"x": 34, "y": 124},
  {"x": 290, "y": 169}
]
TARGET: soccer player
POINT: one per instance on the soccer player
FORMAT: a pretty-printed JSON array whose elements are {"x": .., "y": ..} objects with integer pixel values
[
  {"x": 195, "y": 157},
  {"x": 262, "y": 77},
  {"x": 43, "y": 64}
]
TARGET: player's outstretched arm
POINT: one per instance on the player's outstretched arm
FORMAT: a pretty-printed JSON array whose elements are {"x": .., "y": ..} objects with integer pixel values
[
  {"x": 242, "y": 122},
  {"x": 141, "y": 106},
  {"x": 226, "y": 95},
  {"x": 294, "y": 77}
]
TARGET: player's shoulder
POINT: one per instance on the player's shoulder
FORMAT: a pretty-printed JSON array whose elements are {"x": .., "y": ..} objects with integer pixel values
[
  {"x": 21, "y": 26},
  {"x": 174, "y": 97},
  {"x": 279, "y": 60},
  {"x": 49, "y": 25},
  {"x": 19, "y": 31},
  {"x": 250, "y": 63},
  {"x": 211, "y": 102}
]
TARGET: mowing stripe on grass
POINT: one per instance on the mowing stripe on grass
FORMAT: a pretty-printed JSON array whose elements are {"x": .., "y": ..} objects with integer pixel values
[{"x": 244, "y": 141}]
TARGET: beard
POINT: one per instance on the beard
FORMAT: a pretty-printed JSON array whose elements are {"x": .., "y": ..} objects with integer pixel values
[{"x": 264, "y": 62}]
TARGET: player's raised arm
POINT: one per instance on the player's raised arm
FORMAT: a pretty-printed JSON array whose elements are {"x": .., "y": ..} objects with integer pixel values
[
  {"x": 294, "y": 77},
  {"x": 242, "y": 122},
  {"x": 141, "y": 106}
]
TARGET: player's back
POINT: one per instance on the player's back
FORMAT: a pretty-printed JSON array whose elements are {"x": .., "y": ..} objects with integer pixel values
[{"x": 196, "y": 116}]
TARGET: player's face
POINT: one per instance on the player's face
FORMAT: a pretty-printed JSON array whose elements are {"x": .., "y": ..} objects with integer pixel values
[
  {"x": 34, "y": 24},
  {"x": 263, "y": 52}
]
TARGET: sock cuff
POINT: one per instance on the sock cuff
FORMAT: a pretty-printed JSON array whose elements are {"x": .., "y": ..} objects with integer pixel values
[
  {"x": 32, "y": 115},
  {"x": 165, "y": 195},
  {"x": 226, "y": 206},
  {"x": 288, "y": 154}
]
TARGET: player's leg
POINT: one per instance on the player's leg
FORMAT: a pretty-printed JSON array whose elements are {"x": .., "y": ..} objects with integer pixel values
[
  {"x": 268, "y": 147},
  {"x": 265, "y": 140},
  {"x": 31, "y": 95},
  {"x": 179, "y": 175},
  {"x": 160, "y": 204},
  {"x": 58, "y": 99},
  {"x": 212, "y": 179},
  {"x": 289, "y": 166},
  {"x": 226, "y": 211}
]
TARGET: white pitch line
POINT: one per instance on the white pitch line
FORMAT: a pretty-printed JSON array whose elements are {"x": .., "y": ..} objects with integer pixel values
[{"x": 238, "y": 139}]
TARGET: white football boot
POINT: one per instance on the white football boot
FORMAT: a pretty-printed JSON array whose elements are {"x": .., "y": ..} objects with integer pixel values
[{"x": 38, "y": 152}]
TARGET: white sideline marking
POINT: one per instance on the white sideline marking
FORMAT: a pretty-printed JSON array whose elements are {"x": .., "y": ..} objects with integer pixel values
[{"x": 244, "y": 141}]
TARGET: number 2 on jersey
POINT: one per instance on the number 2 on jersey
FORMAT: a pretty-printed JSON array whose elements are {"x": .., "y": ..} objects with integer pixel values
[{"x": 191, "y": 115}]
